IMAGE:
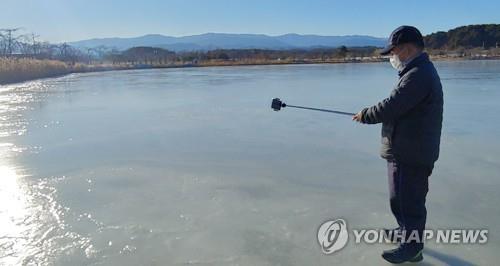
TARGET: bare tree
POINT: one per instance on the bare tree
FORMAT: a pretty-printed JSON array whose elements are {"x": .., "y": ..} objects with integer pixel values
[
  {"x": 35, "y": 45},
  {"x": 45, "y": 50},
  {"x": 10, "y": 39},
  {"x": 3, "y": 44},
  {"x": 24, "y": 48}
]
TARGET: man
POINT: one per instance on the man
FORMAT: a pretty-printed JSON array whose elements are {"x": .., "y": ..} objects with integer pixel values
[{"x": 411, "y": 120}]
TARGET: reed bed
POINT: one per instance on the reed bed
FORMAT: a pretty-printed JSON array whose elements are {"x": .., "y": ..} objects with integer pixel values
[{"x": 21, "y": 69}]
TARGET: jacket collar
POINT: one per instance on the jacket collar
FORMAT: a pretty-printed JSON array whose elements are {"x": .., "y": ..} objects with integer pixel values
[{"x": 422, "y": 58}]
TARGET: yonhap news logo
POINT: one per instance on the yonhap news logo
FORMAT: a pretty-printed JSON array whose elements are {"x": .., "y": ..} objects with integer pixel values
[{"x": 333, "y": 235}]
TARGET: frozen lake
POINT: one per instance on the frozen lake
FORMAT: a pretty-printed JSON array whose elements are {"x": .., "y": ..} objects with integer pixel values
[{"x": 191, "y": 166}]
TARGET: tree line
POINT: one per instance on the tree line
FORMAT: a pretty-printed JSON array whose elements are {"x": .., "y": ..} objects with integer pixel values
[
  {"x": 15, "y": 44},
  {"x": 484, "y": 36},
  {"x": 153, "y": 55}
]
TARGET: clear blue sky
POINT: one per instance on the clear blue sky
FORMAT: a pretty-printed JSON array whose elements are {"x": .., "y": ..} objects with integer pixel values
[{"x": 70, "y": 20}]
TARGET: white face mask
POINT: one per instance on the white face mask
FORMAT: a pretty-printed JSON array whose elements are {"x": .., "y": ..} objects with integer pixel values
[{"x": 396, "y": 62}]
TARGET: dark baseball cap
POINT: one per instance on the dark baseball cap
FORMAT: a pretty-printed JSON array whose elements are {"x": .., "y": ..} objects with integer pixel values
[{"x": 403, "y": 34}]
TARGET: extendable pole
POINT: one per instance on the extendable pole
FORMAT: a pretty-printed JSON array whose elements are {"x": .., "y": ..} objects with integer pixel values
[
  {"x": 277, "y": 104},
  {"x": 321, "y": 110}
]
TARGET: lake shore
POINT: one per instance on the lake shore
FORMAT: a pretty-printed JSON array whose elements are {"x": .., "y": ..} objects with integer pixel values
[{"x": 15, "y": 70}]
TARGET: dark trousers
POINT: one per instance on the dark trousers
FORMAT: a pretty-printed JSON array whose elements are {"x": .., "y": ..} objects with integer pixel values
[{"x": 408, "y": 187}]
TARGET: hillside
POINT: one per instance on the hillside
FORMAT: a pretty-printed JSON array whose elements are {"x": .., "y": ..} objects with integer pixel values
[{"x": 472, "y": 36}]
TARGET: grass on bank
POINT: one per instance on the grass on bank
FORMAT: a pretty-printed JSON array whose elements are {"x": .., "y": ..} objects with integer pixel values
[
  {"x": 14, "y": 70},
  {"x": 21, "y": 69}
]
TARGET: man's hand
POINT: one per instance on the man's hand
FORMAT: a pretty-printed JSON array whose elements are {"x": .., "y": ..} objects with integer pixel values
[{"x": 357, "y": 117}]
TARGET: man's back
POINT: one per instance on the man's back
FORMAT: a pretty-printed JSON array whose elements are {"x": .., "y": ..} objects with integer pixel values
[
  {"x": 417, "y": 133},
  {"x": 412, "y": 116}
]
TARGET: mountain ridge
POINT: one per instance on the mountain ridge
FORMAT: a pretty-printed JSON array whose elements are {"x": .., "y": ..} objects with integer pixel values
[{"x": 212, "y": 40}]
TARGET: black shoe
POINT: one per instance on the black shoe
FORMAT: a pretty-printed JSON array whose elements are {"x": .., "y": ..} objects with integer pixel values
[
  {"x": 393, "y": 235},
  {"x": 403, "y": 254}
]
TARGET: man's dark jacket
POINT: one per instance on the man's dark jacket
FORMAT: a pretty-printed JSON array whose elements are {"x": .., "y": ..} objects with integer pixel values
[{"x": 412, "y": 115}]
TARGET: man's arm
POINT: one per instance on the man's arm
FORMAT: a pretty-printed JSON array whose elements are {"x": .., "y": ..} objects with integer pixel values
[{"x": 410, "y": 92}]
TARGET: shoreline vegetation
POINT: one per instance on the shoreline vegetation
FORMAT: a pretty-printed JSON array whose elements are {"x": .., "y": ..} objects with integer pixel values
[
  {"x": 14, "y": 70},
  {"x": 23, "y": 57}
]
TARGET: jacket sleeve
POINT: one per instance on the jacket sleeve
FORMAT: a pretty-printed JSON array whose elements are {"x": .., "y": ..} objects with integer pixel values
[{"x": 403, "y": 98}]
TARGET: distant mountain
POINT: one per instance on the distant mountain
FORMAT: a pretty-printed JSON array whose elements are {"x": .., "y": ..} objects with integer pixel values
[
  {"x": 483, "y": 35},
  {"x": 330, "y": 41},
  {"x": 211, "y": 41},
  {"x": 125, "y": 43}
]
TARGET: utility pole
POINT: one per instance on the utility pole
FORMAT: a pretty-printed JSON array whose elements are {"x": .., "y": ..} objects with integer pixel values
[
  {"x": 10, "y": 39},
  {"x": 34, "y": 43},
  {"x": 64, "y": 50}
]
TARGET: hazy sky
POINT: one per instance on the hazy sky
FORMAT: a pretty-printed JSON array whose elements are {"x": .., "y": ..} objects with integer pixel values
[{"x": 70, "y": 20}]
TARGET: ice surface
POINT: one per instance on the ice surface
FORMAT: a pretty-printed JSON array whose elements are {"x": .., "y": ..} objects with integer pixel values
[{"x": 191, "y": 166}]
